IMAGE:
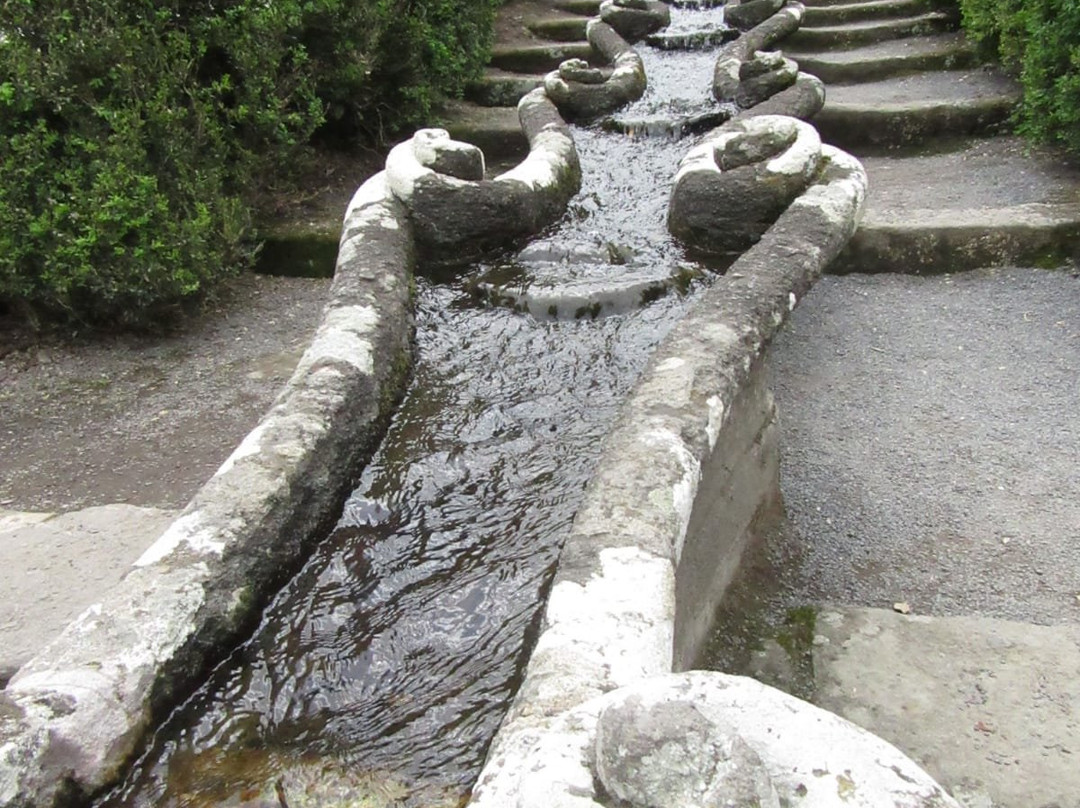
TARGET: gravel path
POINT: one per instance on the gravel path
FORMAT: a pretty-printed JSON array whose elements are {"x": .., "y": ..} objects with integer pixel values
[
  {"x": 146, "y": 421},
  {"x": 930, "y": 442}
]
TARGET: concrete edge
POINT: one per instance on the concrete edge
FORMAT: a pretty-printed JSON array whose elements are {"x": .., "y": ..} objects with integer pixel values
[
  {"x": 923, "y": 242},
  {"x": 74, "y": 715},
  {"x": 610, "y": 619}
]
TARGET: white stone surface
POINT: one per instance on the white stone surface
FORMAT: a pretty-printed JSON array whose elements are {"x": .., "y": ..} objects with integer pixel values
[{"x": 813, "y": 758}]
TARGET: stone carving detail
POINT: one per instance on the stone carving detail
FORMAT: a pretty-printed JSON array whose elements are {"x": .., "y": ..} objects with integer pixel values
[
  {"x": 702, "y": 740},
  {"x": 581, "y": 92},
  {"x": 635, "y": 19},
  {"x": 731, "y": 187},
  {"x": 759, "y": 82},
  {"x": 763, "y": 76},
  {"x": 441, "y": 182}
]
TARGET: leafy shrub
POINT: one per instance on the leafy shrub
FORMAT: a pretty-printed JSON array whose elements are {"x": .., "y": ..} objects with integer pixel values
[
  {"x": 382, "y": 64},
  {"x": 1040, "y": 41},
  {"x": 135, "y": 135},
  {"x": 132, "y": 134}
]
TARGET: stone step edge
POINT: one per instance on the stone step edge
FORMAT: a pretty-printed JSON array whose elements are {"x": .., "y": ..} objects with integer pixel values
[
  {"x": 873, "y": 10},
  {"x": 847, "y": 37},
  {"x": 861, "y": 125},
  {"x": 937, "y": 241},
  {"x": 953, "y": 55}
]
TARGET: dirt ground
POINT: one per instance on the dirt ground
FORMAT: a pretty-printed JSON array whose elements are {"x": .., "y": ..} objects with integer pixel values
[{"x": 145, "y": 420}]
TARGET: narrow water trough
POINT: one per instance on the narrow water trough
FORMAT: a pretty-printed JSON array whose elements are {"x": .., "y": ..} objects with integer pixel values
[{"x": 603, "y": 443}]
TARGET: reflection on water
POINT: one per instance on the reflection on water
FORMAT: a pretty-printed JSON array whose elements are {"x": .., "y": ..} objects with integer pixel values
[{"x": 384, "y": 668}]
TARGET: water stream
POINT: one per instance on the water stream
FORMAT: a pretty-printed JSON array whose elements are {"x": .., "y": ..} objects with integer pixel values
[{"x": 399, "y": 646}]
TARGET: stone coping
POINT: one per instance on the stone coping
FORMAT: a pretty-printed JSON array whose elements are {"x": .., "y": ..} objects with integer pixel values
[
  {"x": 610, "y": 620},
  {"x": 74, "y": 715}
]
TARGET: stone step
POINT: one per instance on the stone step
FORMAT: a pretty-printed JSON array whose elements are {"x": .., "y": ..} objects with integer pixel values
[
  {"x": 911, "y": 109},
  {"x": 852, "y": 35},
  {"x": 499, "y": 88},
  {"x": 538, "y": 58},
  {"x": 817, "y": 16},
  {"x": 495, "y": 130},
  {"x": 883, "y": 60},
  {"x": 986, "y": 202},
  {"x": 559, "y": 29},
  {"x": 990, "y": 708},
  {"x": 589, "y": 8}
]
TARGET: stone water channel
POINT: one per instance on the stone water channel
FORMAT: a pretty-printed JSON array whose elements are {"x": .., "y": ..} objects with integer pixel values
[{"x": 396, "y": 650}]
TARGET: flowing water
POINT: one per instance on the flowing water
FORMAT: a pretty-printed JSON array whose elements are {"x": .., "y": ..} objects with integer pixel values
[{"x": 397, "y": 649}]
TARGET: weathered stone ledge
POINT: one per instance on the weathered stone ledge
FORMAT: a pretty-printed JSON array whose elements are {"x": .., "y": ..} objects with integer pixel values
[
  {"x": 73, "y": 716},
  {"x": 924, "y": 242},
  {"x": 695, "y": 429}
]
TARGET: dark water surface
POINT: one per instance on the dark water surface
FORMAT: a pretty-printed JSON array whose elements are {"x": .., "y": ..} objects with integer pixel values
[{"x": 397, "y": 649}]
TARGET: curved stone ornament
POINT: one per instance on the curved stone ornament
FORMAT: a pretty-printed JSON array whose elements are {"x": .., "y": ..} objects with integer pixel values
[
  {"x": 759, "y": 82},
  {"x": 731, "y": 187},
  {"x": 702, "y": 739},
  {"x": 441, "y": 183},
  {"x": 635, "y": 19},
  {"x": 581, "y": 92}
]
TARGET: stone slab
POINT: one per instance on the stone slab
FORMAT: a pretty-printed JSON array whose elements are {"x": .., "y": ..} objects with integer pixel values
[
  {"x": 52, "y": 567},
  {"x": 990, "y": 708},
  {"x": 852, "y": 35},
  {"x": 910, "y": 109},
  {"x": 949, "y": 51}
]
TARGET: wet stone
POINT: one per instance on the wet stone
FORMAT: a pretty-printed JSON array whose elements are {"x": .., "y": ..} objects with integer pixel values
[
  {"x": 762, "y": 62},
  {"x": 435, "y": 149},
  {"x": 767, "y": 83},
  {"x": 747, "y": 15},
  {"x": 581, "y": 71},
  {"x": 635, "y": 19},
  {"x": 753, "y": 147}
]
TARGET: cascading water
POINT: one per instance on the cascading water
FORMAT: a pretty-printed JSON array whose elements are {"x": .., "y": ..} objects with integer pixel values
[{"x": 397, "y": 649}]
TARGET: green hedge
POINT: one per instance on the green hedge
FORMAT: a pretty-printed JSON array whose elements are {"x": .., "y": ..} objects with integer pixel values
[
  {"x": 136, "y": 135},
  {"x": 1039, "y": 40}
]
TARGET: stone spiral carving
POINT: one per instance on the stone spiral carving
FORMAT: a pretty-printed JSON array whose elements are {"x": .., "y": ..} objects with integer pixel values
[
  {"x": 747, "y": 75},
  {"x": 635, "y": 19},
  {"x": 732, "y": 186},
  {"x": 581, "y": 92},
  {"x": 441, "y": 182}
]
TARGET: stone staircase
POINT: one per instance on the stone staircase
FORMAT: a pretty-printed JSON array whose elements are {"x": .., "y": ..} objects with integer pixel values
[
  {"x": 949, "y": 190},
  {"x": 897, "y": 73}
]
